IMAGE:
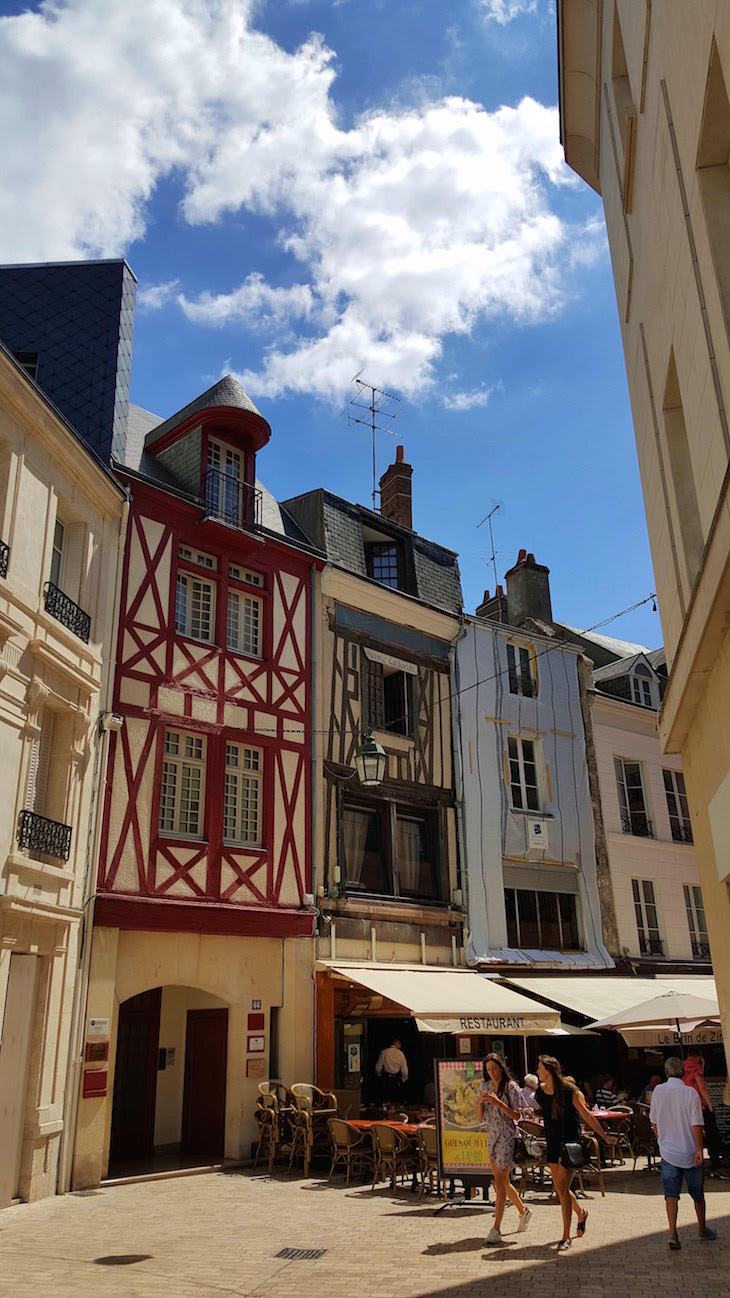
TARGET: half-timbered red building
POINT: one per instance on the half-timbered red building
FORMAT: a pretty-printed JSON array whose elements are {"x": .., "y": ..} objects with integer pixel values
[{"x": 202, "y": 952}]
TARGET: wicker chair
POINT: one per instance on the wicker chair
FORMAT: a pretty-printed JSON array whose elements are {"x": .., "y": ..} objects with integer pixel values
[
  {"x": 530, "y": 1158},
  {"x": 267, "y": 1116},
  {"x": 428, "y": 1157},
  {"x": 321, "y": 1105},
  {"x": 645, "y": 1142},
  {"x": 594, "y": 1165},
  {"x": 394, "y": 1156},
  {"x": 351, "y": 1147}
]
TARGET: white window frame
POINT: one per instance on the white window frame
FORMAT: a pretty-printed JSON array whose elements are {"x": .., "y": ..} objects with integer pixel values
[
  {"x": 245, "y": 574},
  {"x": 521, "y": 669},
  {"x": 223, "y": 498},
  {"x": 182, "y": 784},
  {"x": 197, "y": 556},
  {"x": 516, "y": 762},
  {"x": 244, "y": 623},
  {"x": 695, "y": 914},
  {"x": 646, "y": 932},
  {"x": 242, "y": 795},
  {"x": 188, "y": 622},
  {"x": 622, "y": 788},
  {"x": 683, "y": 821}
]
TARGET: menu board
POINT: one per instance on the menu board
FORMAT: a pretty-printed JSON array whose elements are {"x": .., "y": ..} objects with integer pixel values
[{"x": 462, "y": 1139}]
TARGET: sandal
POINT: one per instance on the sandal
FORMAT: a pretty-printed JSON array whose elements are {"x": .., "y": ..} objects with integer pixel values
[
  {"x": 582, "y": 1223},
  {"x": 563, "y": 1246}
]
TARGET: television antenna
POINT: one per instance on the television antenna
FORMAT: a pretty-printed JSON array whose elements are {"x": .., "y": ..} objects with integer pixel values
[
  {"x": 375, "y": 409},
  {"x": 493, "y": 556}
]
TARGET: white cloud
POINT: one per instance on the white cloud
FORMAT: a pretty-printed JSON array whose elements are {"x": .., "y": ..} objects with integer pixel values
[
  {"x": 152, "y": 297},
  {"x": 254, "y": 300},
  {"x": 467, "y": 400},
  {"x": 503, "y": 11},
  {"x": 411, "y": 225}
]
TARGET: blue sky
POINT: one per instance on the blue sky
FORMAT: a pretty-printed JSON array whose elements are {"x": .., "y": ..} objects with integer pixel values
[{"x": 308, "y": 189}]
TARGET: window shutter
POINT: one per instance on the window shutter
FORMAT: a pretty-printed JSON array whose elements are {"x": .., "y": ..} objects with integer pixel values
[
  {"x": 74, "y": 541},
  {"x": 40, "y": 760}
]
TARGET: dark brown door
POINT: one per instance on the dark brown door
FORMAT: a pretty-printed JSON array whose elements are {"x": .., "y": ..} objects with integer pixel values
[
  {"x": 204, "y": 1099},
  {"x": 135, "y": 1078}
]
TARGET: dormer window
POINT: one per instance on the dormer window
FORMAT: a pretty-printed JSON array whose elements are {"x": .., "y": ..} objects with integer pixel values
[
  {"x": 641, "y": 686},
  {"x": 383, "y": 566}
]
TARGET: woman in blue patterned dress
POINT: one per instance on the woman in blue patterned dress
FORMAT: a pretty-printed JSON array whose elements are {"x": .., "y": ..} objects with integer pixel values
[{"x": 498, "y": 1107}]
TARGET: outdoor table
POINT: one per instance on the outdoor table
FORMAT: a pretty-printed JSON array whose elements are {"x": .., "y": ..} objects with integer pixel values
[{"x": 408, "y": 1129}]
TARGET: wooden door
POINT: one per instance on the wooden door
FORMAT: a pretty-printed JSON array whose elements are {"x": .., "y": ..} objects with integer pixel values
[
  {"x": 204, "y": 1098},
  {"x": 135, "y": 1078}
]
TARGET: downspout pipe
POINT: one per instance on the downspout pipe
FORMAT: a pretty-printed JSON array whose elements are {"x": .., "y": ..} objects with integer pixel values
[
  {"x": 81, "y": 991},
  {"x": 462, "y": 873},
  {"x": 313, "y": 796}
]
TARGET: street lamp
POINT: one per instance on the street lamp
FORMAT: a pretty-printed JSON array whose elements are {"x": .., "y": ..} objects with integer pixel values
[{"x": 371, "y": 761}]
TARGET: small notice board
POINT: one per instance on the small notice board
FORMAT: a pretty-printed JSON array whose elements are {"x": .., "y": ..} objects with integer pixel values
[{"x": 462, "y": 1139}]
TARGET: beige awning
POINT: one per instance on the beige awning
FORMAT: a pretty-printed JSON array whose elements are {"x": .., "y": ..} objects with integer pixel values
[
  {"x": 597, "y": 998},
  {"x": 450, "y": 1000}
]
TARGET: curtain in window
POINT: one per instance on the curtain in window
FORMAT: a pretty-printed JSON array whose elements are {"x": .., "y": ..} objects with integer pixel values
[
  {"x": 414, "y": 864},
  {"x": 355, "y": 832}
]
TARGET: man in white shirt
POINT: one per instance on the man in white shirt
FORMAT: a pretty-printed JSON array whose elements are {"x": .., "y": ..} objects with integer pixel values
[
  {"x": 392, "y": 1066},
  {"x": 676, "y": 1116}
]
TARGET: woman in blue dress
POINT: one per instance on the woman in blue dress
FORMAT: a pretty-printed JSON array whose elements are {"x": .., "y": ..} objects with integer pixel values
[{"x": 498, "y": 1106}]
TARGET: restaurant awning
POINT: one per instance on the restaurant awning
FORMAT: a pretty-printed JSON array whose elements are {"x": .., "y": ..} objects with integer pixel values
[
  {"x": 597, "y": 998},
  {"x": 450, "y": 1000}
]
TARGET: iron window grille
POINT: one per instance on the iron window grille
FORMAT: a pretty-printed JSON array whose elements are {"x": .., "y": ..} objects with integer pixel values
[
  {"x": 231, "y": 501},
  {"x": 4, "y": 558},
  {"x": 701, "y": 951},
  {"x": 651, "y": 946},
  {"x": 48, "y": 837},
  {"x": 677, "y": 805},
  {"x": 682, "y": 834},
  {"x": 636, "y": 823},
  {"x": 67, "y": 612}
]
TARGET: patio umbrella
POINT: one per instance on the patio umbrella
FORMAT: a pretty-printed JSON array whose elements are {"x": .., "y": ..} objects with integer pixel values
[{"x": 671, "y": 1009}]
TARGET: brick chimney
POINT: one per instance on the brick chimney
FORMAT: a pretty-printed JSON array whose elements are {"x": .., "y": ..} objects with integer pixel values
[
  {"x": 528, "y": 591},
  {"x": 494, "y": 607},
  {"x": 395, "y": 491}
]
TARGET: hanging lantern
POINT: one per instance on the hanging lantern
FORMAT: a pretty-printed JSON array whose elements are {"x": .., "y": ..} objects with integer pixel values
[{"x": 371, "y": 762}]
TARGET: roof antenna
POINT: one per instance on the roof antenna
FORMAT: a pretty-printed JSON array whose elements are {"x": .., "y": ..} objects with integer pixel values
[
  {"x": 493, "y": 557},
  {"x": 377, "y": 410}
]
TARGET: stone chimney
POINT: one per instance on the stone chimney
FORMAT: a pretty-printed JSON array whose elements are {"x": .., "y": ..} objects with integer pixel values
[
  {"x": 528, "y": 591},
  {"x": 395, "y": 491},
  {"x": 494, "y": 607}
]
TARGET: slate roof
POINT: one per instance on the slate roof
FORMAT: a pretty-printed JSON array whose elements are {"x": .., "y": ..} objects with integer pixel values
[
  {"x": 226, "y": 392},
  {"x": 621, "y": 648},
  {"x": 335, "y": 526},
  {"x": 621, "y": 667}
]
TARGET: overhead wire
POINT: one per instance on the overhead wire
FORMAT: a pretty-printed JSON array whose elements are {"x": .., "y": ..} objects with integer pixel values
[{"x": 483, "y": 680}]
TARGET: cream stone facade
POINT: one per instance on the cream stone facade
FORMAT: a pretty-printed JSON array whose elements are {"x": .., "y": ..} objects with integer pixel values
[
  {"x": 62, "y": 521},
  {"x": 627, "y": 733},
  {"x": 645, "y": 115}
]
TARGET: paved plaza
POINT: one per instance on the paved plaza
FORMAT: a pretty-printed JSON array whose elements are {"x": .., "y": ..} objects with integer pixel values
[{"x": 220, "y": 1234}]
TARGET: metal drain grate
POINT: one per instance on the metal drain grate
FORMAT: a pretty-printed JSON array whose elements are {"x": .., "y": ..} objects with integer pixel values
[{"x": 301, "y": 1254}]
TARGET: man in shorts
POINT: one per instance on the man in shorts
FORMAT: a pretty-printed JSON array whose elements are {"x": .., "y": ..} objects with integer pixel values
[{"x": 676, "y": 1116}]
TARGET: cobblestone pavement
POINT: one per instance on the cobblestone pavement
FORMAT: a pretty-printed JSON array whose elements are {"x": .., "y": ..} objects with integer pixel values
[{"x": 216, "y": 1235}]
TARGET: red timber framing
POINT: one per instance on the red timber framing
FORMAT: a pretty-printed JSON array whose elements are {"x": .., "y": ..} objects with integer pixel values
[{"x": 154, "y": 879}]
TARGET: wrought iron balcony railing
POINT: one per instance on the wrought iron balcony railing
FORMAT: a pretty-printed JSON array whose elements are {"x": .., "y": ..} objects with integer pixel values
[
  {"x": 637, "y": 823},
  {"x": 231, "y": 501},
  {"x": 701, "y": 950},
  {"x": 66, "y": 612},
  {"x": 682, "y": 833},
  {"x": 49, "y": 837},
  {"x": 651, "y": 946},
  {"x": 4, "y": 558}
]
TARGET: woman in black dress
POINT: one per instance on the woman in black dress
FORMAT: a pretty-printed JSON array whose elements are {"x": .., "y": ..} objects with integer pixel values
[{"x": 563, "y": 1109}]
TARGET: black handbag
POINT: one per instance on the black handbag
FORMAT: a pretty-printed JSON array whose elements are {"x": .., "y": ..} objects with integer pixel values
[{"x": 574, "y": 1155}]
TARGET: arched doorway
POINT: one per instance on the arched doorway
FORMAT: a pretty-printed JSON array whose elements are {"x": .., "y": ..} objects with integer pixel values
[{"x": 169, "y": 1099}]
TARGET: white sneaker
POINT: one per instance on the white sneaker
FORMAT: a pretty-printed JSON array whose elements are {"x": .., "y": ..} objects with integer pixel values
[
  {"x": 494, "y": 1237},
  {"x": 524, "y": 1220}
]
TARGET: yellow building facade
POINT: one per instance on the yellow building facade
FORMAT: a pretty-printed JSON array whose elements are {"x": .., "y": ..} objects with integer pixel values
[
  {"x": 645, "y": 117},
  {"x": 62, "y": 521}
]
